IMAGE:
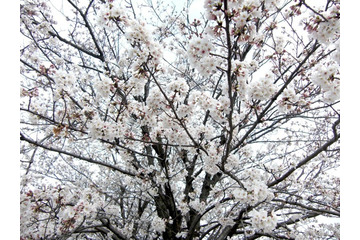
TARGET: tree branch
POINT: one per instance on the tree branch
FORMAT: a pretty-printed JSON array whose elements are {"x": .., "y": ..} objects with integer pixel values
[
  {"x": 89, "y": 160},
  {"x": 308, "y": 158}
]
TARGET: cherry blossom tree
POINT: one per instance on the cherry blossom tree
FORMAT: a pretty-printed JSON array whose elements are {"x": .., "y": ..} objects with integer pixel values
[{"x": 140, "y": 121}]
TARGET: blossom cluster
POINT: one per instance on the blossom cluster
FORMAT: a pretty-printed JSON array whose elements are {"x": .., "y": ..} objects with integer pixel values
[
  {"x": 103, "y": 87},
  {"x": 242, "y": 11},
  {"x": 242, "y": 71},
  {"x": 279, "y": 44},
  {"x": 287, "y": 101},
  {"x": 262, "y": 88},
  {"x": 142, "y": 47},
  {"x": 272, "y": 4},
  {"x": 144, "y": 52},
  {"x": 255, "y": 189},
  {"x": 64, "y": 208},
  {"x": 314, "y": 230},
  {"x": 244, "y": 14},
  {"x": 199, "y": 50},
  {"x": 37, "y": 11},
  {"x": 64, "y": 82},
  {"x": 158, "y": 224},
  {"x": 233, "y": 160},
  {"x": 326, "y": 26},
  {"x": 263, "y": 220},
  {"x": 110, "y": 14},
  {"x": 179, "y": 87},
  {"x": 327, "y": 78},
  {"x": 155, "y": 100},
  {"x": 198, "y": 205},
  {"x": 212, "y": 160},
  {"x": 139, "y": 36},
  {"x": 103, "y": 129},
  {"x": 218, "y": 107}
]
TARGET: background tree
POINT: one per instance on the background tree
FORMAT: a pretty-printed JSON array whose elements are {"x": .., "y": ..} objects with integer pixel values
[{"x": 140, "y": 122}]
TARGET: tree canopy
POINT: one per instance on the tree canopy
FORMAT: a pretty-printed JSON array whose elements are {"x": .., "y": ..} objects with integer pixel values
[{"x": 150, "y": 120}]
